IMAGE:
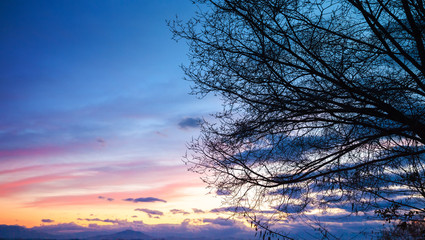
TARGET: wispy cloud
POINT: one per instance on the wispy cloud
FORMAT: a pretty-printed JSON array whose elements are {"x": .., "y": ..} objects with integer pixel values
[
  {"x": 229, "y": 209},
  {"x": 144, "y": 199},
  {"x": 222, "y": 192},
  {"x": 151, "y": 213},
  {"x": 116, "y": 221},
  {"x": 196, "y": 210},
  {"x": 20, "y": 185},
  {"x": 47, "y": 220},
  {"x": 179, "y": 211},
  {"x": 106, "y": 198}
]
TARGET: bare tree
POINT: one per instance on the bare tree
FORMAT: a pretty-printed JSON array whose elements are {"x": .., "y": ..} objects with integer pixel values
[{"x": 324, "y": 103}]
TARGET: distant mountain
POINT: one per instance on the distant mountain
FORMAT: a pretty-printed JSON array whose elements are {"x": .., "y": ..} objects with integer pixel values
[
  {"x": 124, "y": 235},
  {"x": 21, "y": 233},
  {"x": 18, "y": 232}
]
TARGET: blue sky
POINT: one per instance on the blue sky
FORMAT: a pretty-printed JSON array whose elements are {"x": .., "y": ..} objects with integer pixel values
[
  {"x": 83, "y": 68},
  {"x": 94, "y": 104},
  {"x": 65, "y": 55}
]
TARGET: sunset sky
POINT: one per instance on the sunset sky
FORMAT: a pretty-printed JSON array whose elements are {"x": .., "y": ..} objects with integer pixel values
[{"x": 96, "y": 116}]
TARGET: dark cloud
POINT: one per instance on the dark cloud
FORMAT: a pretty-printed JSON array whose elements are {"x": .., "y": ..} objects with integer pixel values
[
  {"x": 178, "y": 211},
  {"x": 147, "y": 199},
  {"x": 189, "y": 123},
  {"x": 47, "y": 220},
  {"x": 196, "y": 210},
  {"x": 151, "y": 213}
]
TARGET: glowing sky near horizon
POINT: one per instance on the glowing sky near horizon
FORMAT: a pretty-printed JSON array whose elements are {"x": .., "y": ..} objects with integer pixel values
[{"x": 96, "y": 114}]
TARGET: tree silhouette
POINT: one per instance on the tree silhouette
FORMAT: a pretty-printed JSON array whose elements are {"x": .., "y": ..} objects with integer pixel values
[{"x": 324, "y": 103}]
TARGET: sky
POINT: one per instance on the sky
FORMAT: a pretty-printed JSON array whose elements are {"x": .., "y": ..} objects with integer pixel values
[{"x": 95, "y": 118}]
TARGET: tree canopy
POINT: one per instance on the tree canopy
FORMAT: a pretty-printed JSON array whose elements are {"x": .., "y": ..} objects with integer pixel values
[{"x": 324, "y": 104}]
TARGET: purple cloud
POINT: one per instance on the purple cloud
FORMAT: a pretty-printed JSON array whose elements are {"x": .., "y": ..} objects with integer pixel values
[
  {"x": 150, "y": 212},
  {"x": 229, "y": 209},
  {"x": 178, "y": 211},
  {"x": 222, "y": 192},
  {"x": 59, "y": 228},
  {"x": 109, "y": 199},
  {"x": 147, "y": 199},
  {"x": 99, "y": 220},
  {"x": 196, "y": 210},
  {"x": 47, "y": 220}
]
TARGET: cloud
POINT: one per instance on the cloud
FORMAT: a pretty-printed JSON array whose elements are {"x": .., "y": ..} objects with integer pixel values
[
  {"x": 147, "y": 199},
  {"x": 47, "y": 220},
  {"x": 189, "y": 123},
  {"x": 236, "y": 209},
  {"x": 107, "y": 198},
  {"x": 222, "y": 192},
  {"x": 151, "y": 213},
  {"x": 292, "y": 208},
  {"x": 217, "y": 229},
  {"x": 178, "y": 211},
  {"x": 12, "y": 187},
  {"x": 60, "y": 228},
  {"x": 101, "y": 141},
  {"x": 222, "y": 228},
  {"x": 230, "y": 209},
  {"x": 196, "y": 210},
  {"x": 100, "y": 220},
  {"x": 219, "y": 221}
]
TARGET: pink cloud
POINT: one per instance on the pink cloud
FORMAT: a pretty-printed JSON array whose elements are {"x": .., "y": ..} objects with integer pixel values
[
  {"x": 166, "y": 182},
  {"x": 70, "y": 200},
  {"x": 166, "y": 192},
  {"x": 40, "y": 168},
  {"x": 115, "y": 175},
  {"x": 22, "y": 169},
  {"x": 10, "y": 188}
]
